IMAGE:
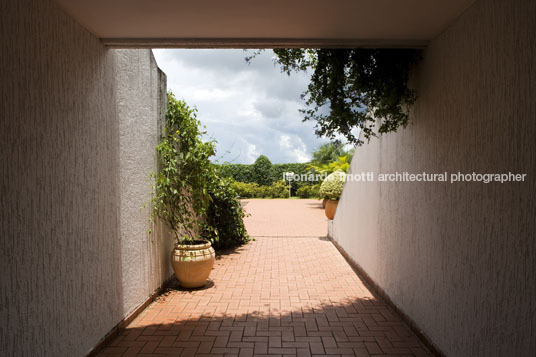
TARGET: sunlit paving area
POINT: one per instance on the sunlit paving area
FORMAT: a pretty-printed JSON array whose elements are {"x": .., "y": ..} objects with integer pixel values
[{"x": 279, "y": 294}]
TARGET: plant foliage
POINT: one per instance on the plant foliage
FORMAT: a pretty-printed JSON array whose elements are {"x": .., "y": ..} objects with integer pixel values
[
  {"x": 224, "y": 223},
  {"x": 238, "y": 172},
  {"x": 333, "y": 185},
  {"x": 353, "y": 88},
  {"x": 341, "y": 163},
  {"x": 245, "y": 173},
  {"x": 261, "y": 171},
  {"x": 191, "y": 196},
  {"x": 328, "y": 153},
  {"x": 307, "y": 191},
  {"x": 277, "y": 189},
  {"x": 181, "y": 189}
]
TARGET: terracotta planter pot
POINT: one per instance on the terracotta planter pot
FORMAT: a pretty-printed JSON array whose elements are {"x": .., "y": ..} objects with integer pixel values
[
  {"x": 192, "y": 263},
  {"x": 331, "y": 208},
  {"x": 324, "y": 201}
]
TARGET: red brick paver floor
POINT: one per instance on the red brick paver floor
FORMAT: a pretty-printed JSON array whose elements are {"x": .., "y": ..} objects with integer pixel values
[
  {"x": 273, "y": 296},
  {"x": 285, "y": 218}
]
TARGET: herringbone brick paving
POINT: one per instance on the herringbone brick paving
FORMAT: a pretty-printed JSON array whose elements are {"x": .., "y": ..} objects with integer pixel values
[{"x": 273, "y": 296}]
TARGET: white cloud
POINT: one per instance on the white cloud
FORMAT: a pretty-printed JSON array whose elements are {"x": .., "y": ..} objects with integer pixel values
[
  {"x": 284, "y": 142},
  {"x": 295, "y": 148},
  {"x": 200, "y": 94},
  {"x": 241, "y": 104},
  {"x": 252, "y": 154}
]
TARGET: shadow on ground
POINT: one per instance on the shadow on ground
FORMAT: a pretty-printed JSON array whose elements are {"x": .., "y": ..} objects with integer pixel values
[
  {"x": 358, "y": 327},
  {"x": 293, "y": 296},
  {"x": 315, "y": 205}
]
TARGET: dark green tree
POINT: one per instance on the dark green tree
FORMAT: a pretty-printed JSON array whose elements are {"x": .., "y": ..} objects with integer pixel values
[
  {"x": 363, "y": 88},
  {"x": 262, "y": 171},
  {"x": 328, "y": 153}
]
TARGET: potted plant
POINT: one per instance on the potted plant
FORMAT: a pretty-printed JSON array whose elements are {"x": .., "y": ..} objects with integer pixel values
[
  {"x": 331, "y": 189},
  {"x": 341, "y": 164},
  {"x": 182, "y": 198}
]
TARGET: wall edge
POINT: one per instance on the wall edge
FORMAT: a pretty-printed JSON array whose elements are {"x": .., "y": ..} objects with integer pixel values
[
  {"x": 378, "y": 291},
  {"x": 120, "y": 327}
]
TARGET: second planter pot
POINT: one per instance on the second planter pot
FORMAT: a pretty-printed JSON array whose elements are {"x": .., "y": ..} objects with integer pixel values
[{"x": 331, "y": 208}]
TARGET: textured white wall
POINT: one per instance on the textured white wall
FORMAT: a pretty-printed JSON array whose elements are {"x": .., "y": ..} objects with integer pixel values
[
  {"x": 141, "y": 102},
  {"x": 74, "y": 256},
  {"x": 459, "y": 259}
]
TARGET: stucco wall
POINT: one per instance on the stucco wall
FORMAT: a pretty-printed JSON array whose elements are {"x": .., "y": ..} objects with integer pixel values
[
  {"x": 459, "y": 259},
  {"x": 141, "y": 101},
  {"x": 70, "y": 237}
]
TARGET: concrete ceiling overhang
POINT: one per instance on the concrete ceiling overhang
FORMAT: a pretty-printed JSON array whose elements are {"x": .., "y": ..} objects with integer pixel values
[{"x": 268, "y": 23}]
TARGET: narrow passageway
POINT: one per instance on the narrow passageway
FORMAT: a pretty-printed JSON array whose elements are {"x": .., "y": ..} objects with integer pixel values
[{"x": 280, "y": 294}]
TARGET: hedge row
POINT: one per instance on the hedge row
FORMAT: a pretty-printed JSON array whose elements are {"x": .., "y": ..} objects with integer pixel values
[
  {"x": 252, "y": 190},
  {"x": 248, "y": 174},
  {"x": 276, "y": 190}
]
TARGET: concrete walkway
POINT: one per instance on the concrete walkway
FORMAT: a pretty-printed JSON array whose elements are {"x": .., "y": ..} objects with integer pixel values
[{"x": 288, "y": 292}]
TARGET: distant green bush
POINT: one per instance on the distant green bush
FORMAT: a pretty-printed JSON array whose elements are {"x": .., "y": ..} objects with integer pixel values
[
  {"x": 238, "y": 172},
  {"x": 304, "y": 191},
  {"x": 263, "y": 192},
  {"x": 263, "y": 174},
  {"x": 251, "y": 190},
  {"x": 308, "y": 191},
  {"x": 341, "y": 163},
  {"x": 224, "y": 221},
  {"x": 297, "y": 168},
  {"x": 279, "y": 189},
  {"x": 315, "y": 190},
  {"x": 245, "y": 189}
]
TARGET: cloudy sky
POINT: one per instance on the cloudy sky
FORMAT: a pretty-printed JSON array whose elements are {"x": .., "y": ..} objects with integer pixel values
[{"x": 249, "y": 109}]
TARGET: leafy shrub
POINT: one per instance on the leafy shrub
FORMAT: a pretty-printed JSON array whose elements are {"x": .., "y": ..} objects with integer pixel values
[
  {"x": 308, "y": 191},
  {"x": 329, "y": 152},
  {"x": 245, "y": 189},
  {"x": 252, "y": 190},
  {"x": 279, "y": 189},
  {"x": 238, "y": 172},
  {"x": 264, "y": 192},
  {"x": 341, "y": 163},
  {"x": 191, "y": 197},
  {"x": 333, "y": 184},
  {"x": 224, "y": 224},
  {"x": 181, "y": 194},
  {"x": 315, "y": 190},
  {"x": 304, "y": 191}
]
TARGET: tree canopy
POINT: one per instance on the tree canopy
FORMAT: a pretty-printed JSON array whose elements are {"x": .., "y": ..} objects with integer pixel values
[
  {"x": 261, "y": 170},
  {"x": 328, "y": 153},
  {"x": 353, "y": 88}
]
